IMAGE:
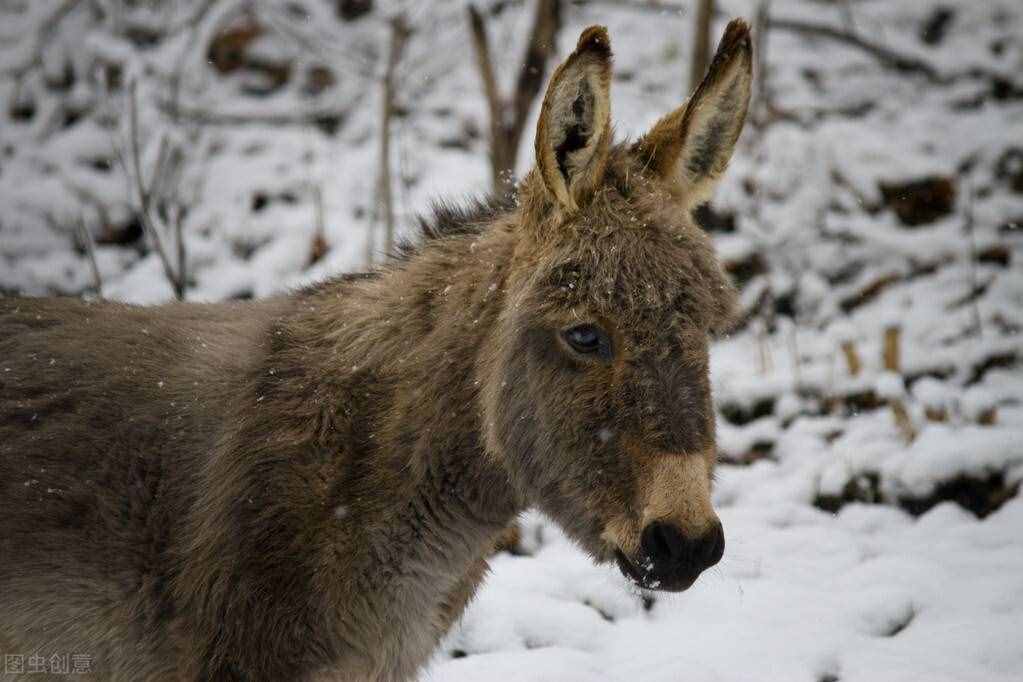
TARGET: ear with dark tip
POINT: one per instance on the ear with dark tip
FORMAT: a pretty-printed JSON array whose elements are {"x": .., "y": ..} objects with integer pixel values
[
  {"x": 693, "y": 144},
  {"x": 573, "y": 133}
]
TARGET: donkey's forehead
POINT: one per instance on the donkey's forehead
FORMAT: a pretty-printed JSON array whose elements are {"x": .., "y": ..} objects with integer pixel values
[{"x": 649, "y": 276}]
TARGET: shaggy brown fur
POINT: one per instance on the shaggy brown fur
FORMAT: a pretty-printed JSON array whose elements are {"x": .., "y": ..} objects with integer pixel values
[{"x": 307, "y": 487}]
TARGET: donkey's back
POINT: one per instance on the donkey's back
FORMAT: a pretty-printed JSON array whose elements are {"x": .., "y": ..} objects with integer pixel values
[{"x": 105, "y": 410}]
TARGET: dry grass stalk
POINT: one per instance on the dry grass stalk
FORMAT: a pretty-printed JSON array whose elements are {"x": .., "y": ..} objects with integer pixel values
[
  {"x": 852, "y": 358},
  {"x": 988, "y": 416},
  {"x": 319, "y": 247},
  {"x": 90, "y": 251},
  {"x": 766, "y": 361},
  {"x": 797, "y": 363},
  {"x": 890, "y": 353},
  {"x": 902, "y": 419}
]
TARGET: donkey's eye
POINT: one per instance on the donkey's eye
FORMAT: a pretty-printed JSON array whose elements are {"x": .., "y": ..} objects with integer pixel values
[{"x": 588, "y": 338}]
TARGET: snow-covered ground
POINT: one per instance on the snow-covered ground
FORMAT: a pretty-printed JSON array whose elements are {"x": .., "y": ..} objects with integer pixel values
[
  {"x": 870, "y": 404},
  {"x": 868, "y": 595}
]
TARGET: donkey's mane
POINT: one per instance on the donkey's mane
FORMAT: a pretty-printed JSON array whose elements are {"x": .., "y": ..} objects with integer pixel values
[
  {"x": 445, "y": 219},
  {"x": 453, "y": 219}
]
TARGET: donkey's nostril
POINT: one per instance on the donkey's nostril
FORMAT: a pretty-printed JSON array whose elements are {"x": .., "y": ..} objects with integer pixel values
[
  {"x": 664, "y": 544},
  {"x": 712, "y": 547}
]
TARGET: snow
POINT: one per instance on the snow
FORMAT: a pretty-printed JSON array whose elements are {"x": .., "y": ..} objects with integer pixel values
[
  {"x": 868, "y": 593},
  {"x": 890, "y": 386}
]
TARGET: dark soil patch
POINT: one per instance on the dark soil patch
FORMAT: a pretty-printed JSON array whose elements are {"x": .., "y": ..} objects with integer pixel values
[
  {"x": 868, "y": 293},
  {"x": 980, "y": 495},
  {"x": 919, "y": 202},
  {"x": 739, "y": 414},
  {"x": 713, "y": 220},
  {"x": 761, "y": 449},
  {"x": 996, "y": 361}
]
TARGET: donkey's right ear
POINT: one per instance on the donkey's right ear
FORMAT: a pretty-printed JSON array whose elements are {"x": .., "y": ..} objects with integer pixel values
[{"x": 573, "y": 133}]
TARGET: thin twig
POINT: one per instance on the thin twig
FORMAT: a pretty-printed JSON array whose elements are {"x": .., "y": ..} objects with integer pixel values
[
  {"x": 797, "y": 362},
  {"x": 887, "y": 56},
  {"x": 144, "y": 194},
  {"x": 399, "y": 36},
  {"x": 179, "y": 236},
  {"x": 328, "y": 49},
  {"x": 320, "y": 116},
  {"x": 972, "y": 258},
  {"x": 652, "y": 5},
  {"x": 90, "y": 251},
  {"x": 42, "y": 39},
  {"x": 192, "y": 24}
]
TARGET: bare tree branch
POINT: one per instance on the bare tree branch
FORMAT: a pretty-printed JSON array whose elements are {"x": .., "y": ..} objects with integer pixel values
[
  {"x": 325, "y": 117},
  {"x": 654, "y": 5},
  {"x": 42, "y": 40},
  {"x": 761, "y": 104},
  {"x": 887, "y": 56},
  {"x": 481, "y": 48},
  {"x": 508, "y": 117},
  {"x": 546, "y": 23}
]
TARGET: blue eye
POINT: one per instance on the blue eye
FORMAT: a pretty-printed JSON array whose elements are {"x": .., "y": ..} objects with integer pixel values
[{"x": 587, "y": 338}]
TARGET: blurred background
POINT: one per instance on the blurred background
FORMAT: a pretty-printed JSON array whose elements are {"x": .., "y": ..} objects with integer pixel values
[{"x": 872, "y": 216}]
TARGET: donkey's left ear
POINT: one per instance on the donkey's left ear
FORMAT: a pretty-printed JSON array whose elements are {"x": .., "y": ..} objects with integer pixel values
[
  {"x": 573, "y": 133},
  {"x": 692, "y": 145}
]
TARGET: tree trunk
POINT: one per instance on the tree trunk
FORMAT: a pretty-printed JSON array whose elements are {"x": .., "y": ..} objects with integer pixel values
[
  {"x": 508, "y": 117},
  {"x": 701, "y": 42}
]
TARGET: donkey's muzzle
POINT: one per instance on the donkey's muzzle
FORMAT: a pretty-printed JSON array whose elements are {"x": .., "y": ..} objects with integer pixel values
[{"x": 673, "y": 560}]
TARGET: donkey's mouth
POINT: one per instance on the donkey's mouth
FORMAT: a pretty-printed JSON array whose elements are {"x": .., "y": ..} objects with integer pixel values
[
  {"x": 646, "y": 576},
  {"x": 629, "y": 569}
]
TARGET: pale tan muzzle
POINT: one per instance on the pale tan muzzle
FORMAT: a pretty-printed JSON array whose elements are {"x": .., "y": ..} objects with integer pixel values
[
  {"x": 673, "y": 533},
  {"x": 672, "y": 489},
  {"x": 676, "y": 489}
]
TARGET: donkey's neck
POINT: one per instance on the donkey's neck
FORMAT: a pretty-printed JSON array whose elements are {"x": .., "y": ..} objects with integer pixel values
[
  {"x": 351, "y": 471},
  {"x": 414, "y": 480}
]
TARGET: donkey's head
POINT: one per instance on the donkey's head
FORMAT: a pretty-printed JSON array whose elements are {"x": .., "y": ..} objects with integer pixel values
[{"x": 597, "y": 399}]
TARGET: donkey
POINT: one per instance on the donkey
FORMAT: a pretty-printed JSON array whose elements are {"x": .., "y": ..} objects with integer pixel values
[{"x": 308, "y": 487}]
